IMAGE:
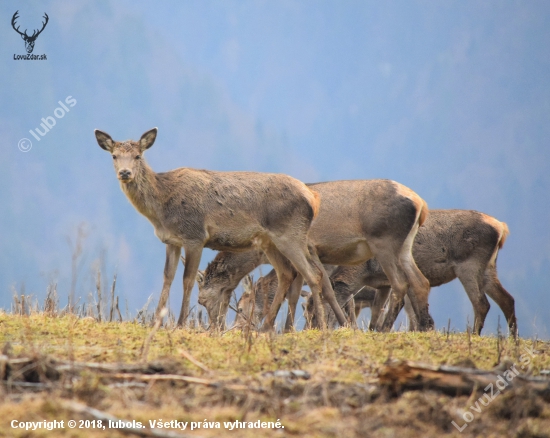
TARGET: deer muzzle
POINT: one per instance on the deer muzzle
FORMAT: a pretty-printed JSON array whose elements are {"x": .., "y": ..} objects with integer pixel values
[{"x": 124, "y": 174}]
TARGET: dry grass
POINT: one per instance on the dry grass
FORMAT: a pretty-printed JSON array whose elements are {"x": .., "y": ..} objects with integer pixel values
[{"x": 340, "y": 399}]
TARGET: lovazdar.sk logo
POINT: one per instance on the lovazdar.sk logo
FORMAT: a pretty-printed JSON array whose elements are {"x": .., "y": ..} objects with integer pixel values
[{"x": 29, "y": 39}]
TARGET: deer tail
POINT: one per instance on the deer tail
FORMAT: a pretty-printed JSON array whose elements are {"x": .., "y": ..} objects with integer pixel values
[
  {"x": 423, "y": 213},
  {"x": 505, "y": 232},
  {"x": 314, "y": 200}
]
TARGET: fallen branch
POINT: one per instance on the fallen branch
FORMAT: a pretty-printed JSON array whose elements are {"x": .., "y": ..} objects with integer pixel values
[
  {"x": 80, "y": 408},
  {"x": 194, "y": 361},
  {"x": 176, "y": 377},
  {"x": 406, "y": 375},
  {"x": 27, "y": 369},
  {"x": 20, "y": 368},
  {"x": 109, "y": 368},
  {"x": 288, "y": 374},
  {"x": 31, "y": 385}
]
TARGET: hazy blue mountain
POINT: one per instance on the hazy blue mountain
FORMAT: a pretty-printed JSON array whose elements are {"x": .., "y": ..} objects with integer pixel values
[{"x": 451, "y": 99}]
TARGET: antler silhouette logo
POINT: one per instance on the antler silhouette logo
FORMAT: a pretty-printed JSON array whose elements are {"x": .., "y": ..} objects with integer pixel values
[{"x": 29, "y": 40}]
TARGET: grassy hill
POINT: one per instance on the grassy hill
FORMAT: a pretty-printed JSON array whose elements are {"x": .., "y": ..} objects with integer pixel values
[{"x": 316, "y": 384}]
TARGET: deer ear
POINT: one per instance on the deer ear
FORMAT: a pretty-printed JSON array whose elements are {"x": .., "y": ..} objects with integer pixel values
[
  {"x": 305, "y": 294},
  {"x": 104, "y": 140},
  {"x": 200, "y": 277},
  {"x": 248, "y": 282},
  {"x": 147, "y": 139}
]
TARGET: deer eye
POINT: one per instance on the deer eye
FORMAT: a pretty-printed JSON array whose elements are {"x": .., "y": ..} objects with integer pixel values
[
  {"x": 114, "y": 157},
  {"x": 138, "y": 157}
]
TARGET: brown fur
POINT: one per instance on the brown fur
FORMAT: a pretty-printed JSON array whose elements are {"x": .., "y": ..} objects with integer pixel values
[
  {"x": 423, "y": 214},
  {"x": 234, "y": 211},
  {"x": 216, "y": 289},
  {"x": 452, "y": 244},
  {"x": 505, "y": 233},
  {"x": 315, "y": 203},
  {"x": 256, "y": 299},
  {"x": 357, "y": 220}
]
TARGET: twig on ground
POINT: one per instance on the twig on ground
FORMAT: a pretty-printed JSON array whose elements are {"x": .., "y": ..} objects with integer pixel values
[
  {"x": 193, "y": 360},
  {"x": 112, "y": 311},
  {"x": 147, "y": 342},
  {"x": 80, "y": 408},
  {"x": 177, "y": 377}
]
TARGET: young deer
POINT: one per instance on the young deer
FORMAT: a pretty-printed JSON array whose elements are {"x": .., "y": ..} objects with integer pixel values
[
  {"x": 461, "y": 244},
  {"x": 233, "y": 211},
  {"x": 257, "y": 298},
  {"x": 357, "y": 220}
]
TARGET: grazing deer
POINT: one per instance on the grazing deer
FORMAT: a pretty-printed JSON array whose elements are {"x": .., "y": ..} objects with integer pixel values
[
  {"x": 357, "y": 220},
  {"x": 257, "y": 298},
  {"x": 461, "y": 244},
  {"x": 221, "y": 277},
  {"x": 232, "y": 211}
]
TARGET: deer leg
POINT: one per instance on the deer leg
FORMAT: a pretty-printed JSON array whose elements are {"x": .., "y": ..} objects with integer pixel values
[
  {"x": 308, "y": 314},
  {"x": 380, "y": 299},
  {"x": 405, "y": 278},
  {"x": 298, "y": 255},
  {"x": 351, "y": 312},
  {"x": 170, "y": 267},
  {"x": 395, "y": 304},
  {"x": 493, "y": 288},
  {"x": 470, "y": 280},
  {"x": 399, "y": 286},
  {"x": 192, "y": 260},
  {"x": 285, "y": 276},
  {"x": 419, "y": 286},
  {"x": 293, "y": 296},
  {"x": 413, "y": 322},
  {"x": 328, "y": 292}
]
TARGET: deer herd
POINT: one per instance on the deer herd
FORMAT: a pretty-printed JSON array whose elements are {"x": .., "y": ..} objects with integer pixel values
[{"x": 356, "y": 244}]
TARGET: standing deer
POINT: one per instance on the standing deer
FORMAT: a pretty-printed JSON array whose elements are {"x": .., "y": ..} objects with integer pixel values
[
  {"x": 234, "y": 211},
  {"x": 461, "y": 244},
  {"x": 357, "y": 220}
]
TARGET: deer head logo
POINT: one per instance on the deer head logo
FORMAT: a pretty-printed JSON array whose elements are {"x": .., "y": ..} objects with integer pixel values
[{"x": 29, "y": 40}]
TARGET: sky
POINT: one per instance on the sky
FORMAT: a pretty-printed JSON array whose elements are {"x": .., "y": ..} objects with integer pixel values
[{"x": 451, "y": 99}]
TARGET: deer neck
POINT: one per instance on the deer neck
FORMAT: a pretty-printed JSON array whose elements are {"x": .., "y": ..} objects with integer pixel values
[{"x": 143, "y": 192}]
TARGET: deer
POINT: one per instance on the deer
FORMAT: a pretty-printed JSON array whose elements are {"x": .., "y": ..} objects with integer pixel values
[
  {"x": 225, "y": 211},
  {"x": 29, "y": 40},
  {"x": 255, "y": 300},
  {"x": 357, "y": 220},
  {"x": 451, "y": 244},
  {"x": 221, "y": 277},
  {"x": 257, "y": 297}
]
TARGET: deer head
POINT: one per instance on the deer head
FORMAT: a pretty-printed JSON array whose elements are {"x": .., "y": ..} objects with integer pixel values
[
  {"x": 126, "y": 154},
  {"x": 29, "y": 40},
  {"x": 247, "y": 302}
]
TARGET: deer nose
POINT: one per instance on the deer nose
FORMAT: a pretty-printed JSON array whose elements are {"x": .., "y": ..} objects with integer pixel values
[{"x": 124, "y": 173}]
